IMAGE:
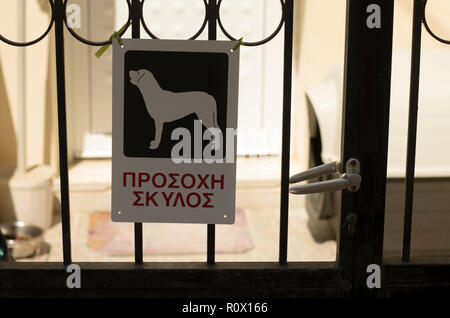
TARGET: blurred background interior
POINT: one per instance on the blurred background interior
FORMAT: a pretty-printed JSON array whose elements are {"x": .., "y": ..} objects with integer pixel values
[{"x": 29, "y": 184}]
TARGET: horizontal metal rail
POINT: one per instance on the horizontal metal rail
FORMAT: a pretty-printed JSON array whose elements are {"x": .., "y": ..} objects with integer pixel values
[{"x": 173, "y": 279}]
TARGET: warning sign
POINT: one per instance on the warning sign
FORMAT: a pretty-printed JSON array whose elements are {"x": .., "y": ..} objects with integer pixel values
[{"x": 174, "y": 131}]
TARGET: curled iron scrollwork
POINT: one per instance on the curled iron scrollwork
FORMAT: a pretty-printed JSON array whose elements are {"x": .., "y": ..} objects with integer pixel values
[
  {"x": 38, "y": 39},
  {"x": 147, "y": 28},
  {"x": 153, "y": 36},
  {"x": 261, "y": 42},
  {"x": 89, "y": 42},
  {"x": 427, "y": 27}
]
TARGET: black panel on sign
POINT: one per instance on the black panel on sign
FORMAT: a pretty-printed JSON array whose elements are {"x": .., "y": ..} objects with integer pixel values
[{"x": 175, "y": 73}]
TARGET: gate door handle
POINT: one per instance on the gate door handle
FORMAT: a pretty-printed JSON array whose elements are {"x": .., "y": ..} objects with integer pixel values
[{"x": 351, "y": 180}]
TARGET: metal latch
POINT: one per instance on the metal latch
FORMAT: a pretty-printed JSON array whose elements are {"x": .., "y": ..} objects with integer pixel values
[{"x": 351, "y": 180}]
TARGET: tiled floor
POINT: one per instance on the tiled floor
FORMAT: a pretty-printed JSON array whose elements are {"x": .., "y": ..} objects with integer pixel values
[{"x": 257, "y": 193}]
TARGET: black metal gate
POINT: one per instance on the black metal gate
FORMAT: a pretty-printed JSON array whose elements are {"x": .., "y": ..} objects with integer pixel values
[{"x": 360, "y": 235}]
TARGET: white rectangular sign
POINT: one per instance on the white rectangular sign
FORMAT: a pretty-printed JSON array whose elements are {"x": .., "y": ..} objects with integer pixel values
[{"x": 174, "y": 131}]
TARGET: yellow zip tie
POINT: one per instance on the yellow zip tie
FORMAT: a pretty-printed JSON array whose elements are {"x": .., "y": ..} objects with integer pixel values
[
  {"x": 240, "y": 42},
  {"x": 115, "y": 35}
]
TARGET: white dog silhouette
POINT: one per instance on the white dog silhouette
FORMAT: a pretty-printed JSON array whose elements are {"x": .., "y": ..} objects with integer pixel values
[{"x": 166, "y": 106}]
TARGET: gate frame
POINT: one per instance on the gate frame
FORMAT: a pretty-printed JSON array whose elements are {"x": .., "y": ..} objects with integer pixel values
[{"x": 360, "y": 238}]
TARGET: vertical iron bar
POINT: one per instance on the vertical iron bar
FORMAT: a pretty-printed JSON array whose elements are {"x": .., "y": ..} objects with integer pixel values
[
  {"x": 365, "y": 131},
  {"x": 285, "y": 152},
  {"x": 62, "y": 129},
  {"x": 212, "y": 13},
  {"x": 211, "y": 244},
  {"x": 412, "y": 126},
  {"x": 22, "y": 88},
  {"x": 136, "y": 34}
]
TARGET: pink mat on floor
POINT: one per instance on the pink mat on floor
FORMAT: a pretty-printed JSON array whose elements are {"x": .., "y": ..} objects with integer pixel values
[{"x": 159, "y": 238}]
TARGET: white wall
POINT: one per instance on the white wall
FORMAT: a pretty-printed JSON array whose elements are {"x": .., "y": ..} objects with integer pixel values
[
  {"x": 36, "y": 82},
  {"x": 321, "y": 45}
]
